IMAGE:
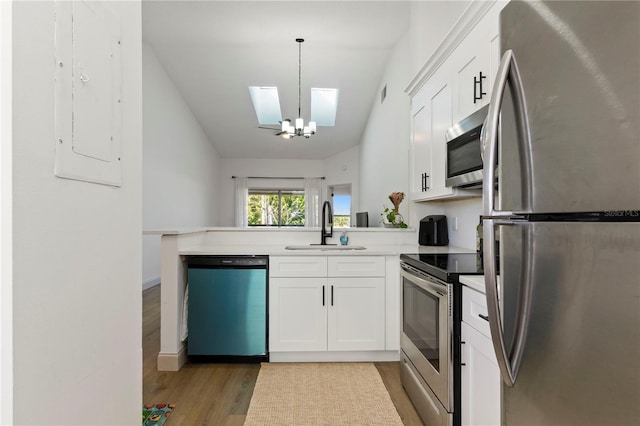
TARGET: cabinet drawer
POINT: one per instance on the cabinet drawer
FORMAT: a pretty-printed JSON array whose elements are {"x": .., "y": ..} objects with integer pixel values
[
  {"x": 474, "y": 308},
  {"x": 298, "y": 266},
  {"x": 356, "y": 266}
]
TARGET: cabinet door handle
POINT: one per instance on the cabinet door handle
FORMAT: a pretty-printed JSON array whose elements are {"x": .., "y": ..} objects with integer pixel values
[
  {"x": 484, "y": 317},
  {"x": 478, "y": 82},
  {"x": 323, "y": 292},
  {"x": 331, "y": 295},
  {"x": 425, "y": 185}
]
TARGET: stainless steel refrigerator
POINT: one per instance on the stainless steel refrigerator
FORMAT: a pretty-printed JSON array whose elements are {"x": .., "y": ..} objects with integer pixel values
[{"x": 562, "y": 192}]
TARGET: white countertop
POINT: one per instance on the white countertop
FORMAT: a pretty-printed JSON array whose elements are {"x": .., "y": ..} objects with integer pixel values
[
  {"x": 175, "y": 231},
  {"x": 476, "y": 282},
  {"x": 180, "y": 231},
  {"x": 279, "y": 250}
]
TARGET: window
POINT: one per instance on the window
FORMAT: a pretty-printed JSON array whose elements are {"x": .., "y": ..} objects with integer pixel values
[
  {"x": 342, "y": 215},
  {"x": 341, "y": 202},
  {"x": 274, "y": 207}
]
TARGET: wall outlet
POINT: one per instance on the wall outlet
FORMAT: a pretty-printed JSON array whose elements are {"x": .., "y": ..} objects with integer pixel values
[{"x": 455, "y": 223}]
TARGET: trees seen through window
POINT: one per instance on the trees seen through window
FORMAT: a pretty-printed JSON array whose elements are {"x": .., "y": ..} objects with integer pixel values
[{"x": 276, "y": 208}]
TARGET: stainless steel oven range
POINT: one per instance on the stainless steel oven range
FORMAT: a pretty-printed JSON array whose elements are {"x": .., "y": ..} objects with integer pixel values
[{"x": 430, "y": 338}]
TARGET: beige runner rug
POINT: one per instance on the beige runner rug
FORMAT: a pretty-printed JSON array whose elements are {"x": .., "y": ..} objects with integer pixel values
[{"x": 320, "y": 394}]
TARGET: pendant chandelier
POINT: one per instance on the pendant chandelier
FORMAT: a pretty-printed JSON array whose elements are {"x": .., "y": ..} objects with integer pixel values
[{"x": 289, "y": 131}]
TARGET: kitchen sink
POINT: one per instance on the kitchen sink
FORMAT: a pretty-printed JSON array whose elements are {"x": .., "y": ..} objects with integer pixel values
[{"x": 324, "y": 248}]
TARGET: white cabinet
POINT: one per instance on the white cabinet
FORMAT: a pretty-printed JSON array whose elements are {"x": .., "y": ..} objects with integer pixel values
[
  {"x": 297, "y": 314},
  {"x": 420, "y": 146},
  {"x": 474, "y": 310},
  {"x": 432, "y": 117},
  {"x": 470, "y": 63},
  {"x": 330, "y": 304},
  {"x": 356, "y": 314},
  {"x": 474, "y": 64},
  {"x": 356, "y": 266},
  {"x": 480, "y": 380},
  {"x": 298, "y": 266},
  {"x": 430, "y": 121},
  {"x": 480, "y": 372},
  {"x": 459, "y": 86}
]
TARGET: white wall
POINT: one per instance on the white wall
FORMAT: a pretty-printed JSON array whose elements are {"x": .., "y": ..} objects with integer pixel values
[
  {"x": 180, "y": 165},
  {"x": 384, "y": 147},
  {"x": 77, "y": 305},
  {"x": 467, "y": 211},
  {"x": 341, "y": 168},
  {"x": 430, "y": 22},
  {"x": 6, "y": 209},
  {"x": 258, "y": 167}
]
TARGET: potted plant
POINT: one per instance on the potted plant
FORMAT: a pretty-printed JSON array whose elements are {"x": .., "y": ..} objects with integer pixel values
[{"x": 392, "y": 218}]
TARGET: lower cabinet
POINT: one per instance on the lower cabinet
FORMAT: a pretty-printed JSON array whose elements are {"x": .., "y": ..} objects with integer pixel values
[
  {"x": 480, "y": 380},
  {"x": 355, "y": 317},
  {"x": 297, "y": 314},
  {"x": 480, "y": 372},
  {"x": 329, "y": 313}
]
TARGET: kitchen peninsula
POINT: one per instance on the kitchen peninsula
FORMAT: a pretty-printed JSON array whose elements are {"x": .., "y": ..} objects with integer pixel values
[{"x": 380, "y": 244}]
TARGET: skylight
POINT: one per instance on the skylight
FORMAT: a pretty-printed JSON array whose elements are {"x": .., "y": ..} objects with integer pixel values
[
  {"x": 324, "y": 104},
  {"x": 266, "y": 104}
]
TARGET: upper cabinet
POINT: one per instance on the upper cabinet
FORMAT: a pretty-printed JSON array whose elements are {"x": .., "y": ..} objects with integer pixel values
[
  {"x": 456, "y": 82},
  {"x": 431, "y": 117},
  {"x": 470, "y": 72},
  {"x": 474, "y": 64}
]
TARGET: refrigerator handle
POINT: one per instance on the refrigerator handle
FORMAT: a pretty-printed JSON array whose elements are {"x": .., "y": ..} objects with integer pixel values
[
  {"x": 491, "y": 284},
  {"x": 507, "y": 72},
  {"x": 509, "y": 365}
]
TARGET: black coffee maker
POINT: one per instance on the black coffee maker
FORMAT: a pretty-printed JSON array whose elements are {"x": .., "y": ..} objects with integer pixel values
[{"x": 433, "y": 231}]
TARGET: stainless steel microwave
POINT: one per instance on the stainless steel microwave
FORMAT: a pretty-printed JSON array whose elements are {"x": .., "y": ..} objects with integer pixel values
[{"x": 464, "y": 151}]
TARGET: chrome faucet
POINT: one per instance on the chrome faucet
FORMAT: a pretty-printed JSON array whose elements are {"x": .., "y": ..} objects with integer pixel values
[{"x": 327, "y": 220}]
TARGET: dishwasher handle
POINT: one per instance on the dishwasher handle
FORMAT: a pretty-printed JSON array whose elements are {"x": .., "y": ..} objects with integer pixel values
[{"x": 234, "y": 262}]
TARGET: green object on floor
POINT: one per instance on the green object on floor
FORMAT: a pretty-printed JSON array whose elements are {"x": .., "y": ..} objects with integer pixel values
[{"x": 156, "y": 414}]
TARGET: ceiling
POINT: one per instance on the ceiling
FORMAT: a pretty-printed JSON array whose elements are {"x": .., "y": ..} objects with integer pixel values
[{"x": 214, "y": 50}]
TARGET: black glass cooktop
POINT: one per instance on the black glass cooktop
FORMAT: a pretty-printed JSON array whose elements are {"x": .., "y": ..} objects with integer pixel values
[{"x": 446, "y": 266}]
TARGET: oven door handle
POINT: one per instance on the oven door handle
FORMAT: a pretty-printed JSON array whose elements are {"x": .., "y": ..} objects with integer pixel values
[{"x": 432, "y": 287}]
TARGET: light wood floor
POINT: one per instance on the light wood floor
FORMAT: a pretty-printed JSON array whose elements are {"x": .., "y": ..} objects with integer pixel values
[{"x": 219, "y": 394}]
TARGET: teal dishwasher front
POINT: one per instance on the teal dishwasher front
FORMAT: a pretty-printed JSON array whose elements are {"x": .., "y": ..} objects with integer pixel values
[{"x": 228, "y": 309}]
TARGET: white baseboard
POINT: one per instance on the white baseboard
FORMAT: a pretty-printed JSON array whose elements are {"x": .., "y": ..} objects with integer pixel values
[
  {"x": 150, "y": 283},
  {"x": 172, "y": 362}
]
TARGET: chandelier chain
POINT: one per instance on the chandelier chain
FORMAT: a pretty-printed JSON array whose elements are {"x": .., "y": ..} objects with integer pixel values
[{"x": 299, "y": 76}]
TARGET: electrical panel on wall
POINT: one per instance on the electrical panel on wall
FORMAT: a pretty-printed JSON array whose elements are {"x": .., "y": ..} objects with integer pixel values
[{"x": 88, "y": 99}]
